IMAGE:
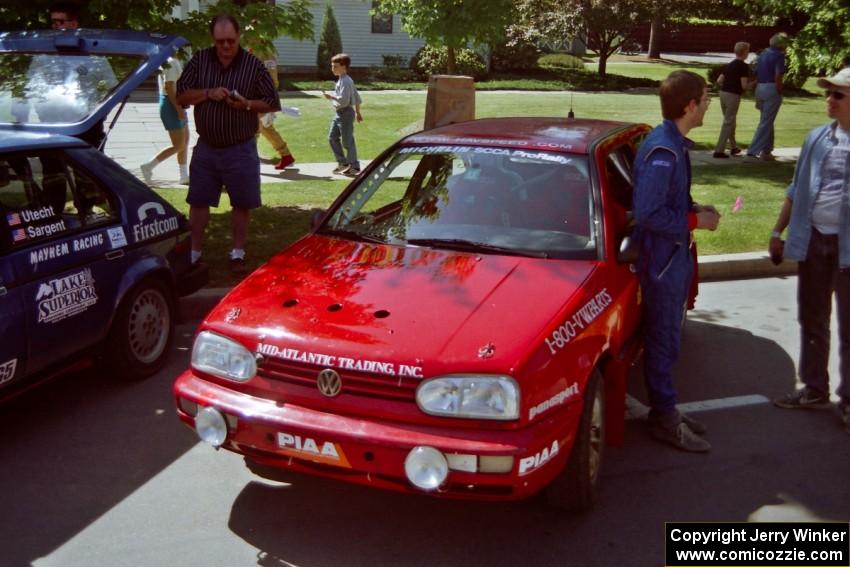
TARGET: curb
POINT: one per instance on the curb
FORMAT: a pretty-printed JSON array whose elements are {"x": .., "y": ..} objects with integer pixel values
[{"x": 714, "y": 268}]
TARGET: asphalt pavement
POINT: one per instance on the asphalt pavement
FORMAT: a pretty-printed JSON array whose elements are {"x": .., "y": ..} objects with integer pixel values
[{"x": 100, "y": 473}]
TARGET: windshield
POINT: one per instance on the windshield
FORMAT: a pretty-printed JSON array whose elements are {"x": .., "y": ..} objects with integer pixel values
[
  {"x": 41, "y": 88},
  {"x": 492, "y": 200}
]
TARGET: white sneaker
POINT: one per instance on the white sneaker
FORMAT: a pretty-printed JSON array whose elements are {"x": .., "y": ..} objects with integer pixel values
[
  {"x": 184, "y": 180},
  {"x": 147, "y": 172}
]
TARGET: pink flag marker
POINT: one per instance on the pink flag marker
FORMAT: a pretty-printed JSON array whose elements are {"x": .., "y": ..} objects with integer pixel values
[{"x": 738, "y": 204}]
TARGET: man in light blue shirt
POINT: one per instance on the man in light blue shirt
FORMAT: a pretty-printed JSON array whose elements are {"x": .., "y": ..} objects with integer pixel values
[
  {"x": 770, "y": 70},
  {"x": 817, "y": 213}
]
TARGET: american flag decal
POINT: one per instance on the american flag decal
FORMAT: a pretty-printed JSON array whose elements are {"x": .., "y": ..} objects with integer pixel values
[
  {"x": 19, "y": 234},
  {"x": 13, "y": 219}
]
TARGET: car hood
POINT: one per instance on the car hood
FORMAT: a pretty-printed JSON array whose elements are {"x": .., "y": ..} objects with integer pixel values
[
  {"x": 432, "y": 309},
  {"x": 65, "y": 81}
]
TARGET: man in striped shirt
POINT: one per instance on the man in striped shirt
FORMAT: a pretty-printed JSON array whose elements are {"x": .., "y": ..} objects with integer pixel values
[{"x": 229, "y": 88}]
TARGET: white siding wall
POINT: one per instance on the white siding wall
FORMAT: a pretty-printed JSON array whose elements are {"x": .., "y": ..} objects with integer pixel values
[{"x": 355, "y": 28}]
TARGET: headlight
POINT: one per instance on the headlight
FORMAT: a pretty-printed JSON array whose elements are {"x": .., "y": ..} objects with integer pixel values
[
  {"x": 223, "y": 357},
  {"x": 481, "y": 397}
]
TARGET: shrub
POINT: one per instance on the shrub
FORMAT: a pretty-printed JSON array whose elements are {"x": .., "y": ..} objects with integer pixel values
[
  {"x": 393, "y": 60},
  {"x": 561, "y": 61},
  {"x": 431, "y": 60},
  {"x": 330, "y": 43},
  {"x": 520, "y": 57}
]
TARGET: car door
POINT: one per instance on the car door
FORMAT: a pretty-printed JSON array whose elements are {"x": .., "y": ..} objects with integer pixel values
[
  {"x": 13, "y": 336},
  {"x": 69, "y": 258}
]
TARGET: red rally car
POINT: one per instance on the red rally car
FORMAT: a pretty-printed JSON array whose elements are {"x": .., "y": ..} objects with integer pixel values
[{"x": 460, "y": 322}]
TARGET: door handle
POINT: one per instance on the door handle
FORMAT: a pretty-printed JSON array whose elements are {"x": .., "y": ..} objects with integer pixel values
[{"x": 114, "y": 254}]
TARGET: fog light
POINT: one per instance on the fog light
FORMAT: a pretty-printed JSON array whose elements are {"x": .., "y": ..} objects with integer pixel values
[
  {"x": 426, "y": 468},
  {"x": 210, "y": 426},
  {"x": 496, "y": 464}
]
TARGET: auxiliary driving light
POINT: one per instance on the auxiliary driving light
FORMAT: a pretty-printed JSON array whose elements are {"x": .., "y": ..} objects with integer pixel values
[
  {"x": 211, "y": 427},
  {"x": 426, "y": 467}
]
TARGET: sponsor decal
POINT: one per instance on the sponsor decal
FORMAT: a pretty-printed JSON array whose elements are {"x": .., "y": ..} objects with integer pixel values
[
  {"x": 117, "y": 238},
  {"x": 49, "y": 252},
  {"x": 87, "y": 242},
  {"x": 18, "y": 235},
  {"x": 582, "y": 318},
  {"x": 30, "y": 215},
  {"x": 45, "y": 229},
  {"x": 529, "y": 464},
  {"x": 65, "y": 297},
  {"x": 556, "y": 400},
  {"x": 341, "y": 362},
  {"x": 486, "y": 150},
  {"x": 7, "y": 370},
  {"x": 150, "y": 224},
  {"x": 490, "y": 141},
  {"x": 308, "y": 448}
]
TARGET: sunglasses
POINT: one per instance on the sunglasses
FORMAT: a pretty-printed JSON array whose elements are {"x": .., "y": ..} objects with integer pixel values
[
  {"x": 226, "y": 41},
  {"x": 837, "y": 95}
]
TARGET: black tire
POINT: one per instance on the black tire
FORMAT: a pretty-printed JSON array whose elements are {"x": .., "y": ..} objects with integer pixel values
[
  {"x": 575, "y": 488},
  {"x": 140, "y": 338}
]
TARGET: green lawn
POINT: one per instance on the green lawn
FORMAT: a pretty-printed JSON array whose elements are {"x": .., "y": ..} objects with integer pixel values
[{"x": 389, "y": 116}]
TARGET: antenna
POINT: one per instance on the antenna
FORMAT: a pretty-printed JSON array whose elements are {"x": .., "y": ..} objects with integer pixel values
[{"x": 571, "y": 114}]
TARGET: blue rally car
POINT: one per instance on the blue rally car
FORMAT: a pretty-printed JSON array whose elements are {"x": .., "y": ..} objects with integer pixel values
[{"x": 92, "y": 261}]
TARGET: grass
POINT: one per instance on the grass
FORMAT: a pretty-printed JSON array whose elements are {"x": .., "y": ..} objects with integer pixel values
[
  {"x": 390, "y": 116},
  {"x": 288, "y": 207},
  {"x": 761, "y": 187}
]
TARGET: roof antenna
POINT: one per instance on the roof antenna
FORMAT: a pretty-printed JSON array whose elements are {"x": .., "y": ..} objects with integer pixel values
[{"x": 571, "y": 114}]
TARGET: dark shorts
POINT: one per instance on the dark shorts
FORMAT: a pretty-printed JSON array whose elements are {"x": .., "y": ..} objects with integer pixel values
[
  {"x": 168, "y": 115},
  {"x": 235, "y": 169}
]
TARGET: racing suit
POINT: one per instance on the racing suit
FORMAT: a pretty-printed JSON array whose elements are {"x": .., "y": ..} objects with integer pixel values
[{"x": 662, "y": 209}]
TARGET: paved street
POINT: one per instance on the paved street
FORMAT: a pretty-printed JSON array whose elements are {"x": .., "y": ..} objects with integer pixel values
[{"x": 97, "y": 473}]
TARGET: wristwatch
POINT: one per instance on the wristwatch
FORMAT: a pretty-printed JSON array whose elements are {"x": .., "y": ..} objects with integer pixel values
[{"x": 776, "y": 234}]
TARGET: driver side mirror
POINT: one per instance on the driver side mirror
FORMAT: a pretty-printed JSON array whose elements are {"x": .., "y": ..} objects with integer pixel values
[{"x": 629, "y": 251}]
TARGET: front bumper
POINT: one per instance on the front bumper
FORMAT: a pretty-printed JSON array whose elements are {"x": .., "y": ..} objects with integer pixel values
[{"x": 372, "y": 452}]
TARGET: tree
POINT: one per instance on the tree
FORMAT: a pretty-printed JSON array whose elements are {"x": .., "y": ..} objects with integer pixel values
[
  {"x": 330, "y": 43},
  {"x": 262, "y": 22},
  {"x": 607, "y": 24},
  {"x": 453, "y": 24},
  {"x": 822, "y": 46}
]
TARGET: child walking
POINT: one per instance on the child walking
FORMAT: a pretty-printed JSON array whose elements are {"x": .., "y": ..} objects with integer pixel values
[{"x": 346, "y": 101}]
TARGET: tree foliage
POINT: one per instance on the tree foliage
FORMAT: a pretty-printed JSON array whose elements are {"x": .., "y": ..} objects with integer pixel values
[
  {"x": 822, "y": 46},
  {"x": 453, "y": 24},
  {"x": 606, "y": 24},
  {"x": 261, "y": 22},
  {"x": 330, "y": 43}
]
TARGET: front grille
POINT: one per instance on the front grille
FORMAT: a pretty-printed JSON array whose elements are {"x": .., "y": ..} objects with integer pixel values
[{"x": 353, "y": 383}]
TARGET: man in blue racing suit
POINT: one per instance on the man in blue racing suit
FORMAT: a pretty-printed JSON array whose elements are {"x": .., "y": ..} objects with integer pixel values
[{"x": 665, "y": 216}]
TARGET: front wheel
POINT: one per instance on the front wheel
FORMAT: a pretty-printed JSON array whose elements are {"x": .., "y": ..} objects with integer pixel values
[
  {"x": 575, "y": 488},
  {"x": 141, "y": 334}
]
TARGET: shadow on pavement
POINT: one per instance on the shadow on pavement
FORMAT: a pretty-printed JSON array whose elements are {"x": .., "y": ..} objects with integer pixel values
[
  {"x": 77, "y": 446},
  {"x": 759, "y": 453}
]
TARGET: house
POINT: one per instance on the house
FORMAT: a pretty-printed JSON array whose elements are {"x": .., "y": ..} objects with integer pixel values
[{"x": 365, "y": 37}]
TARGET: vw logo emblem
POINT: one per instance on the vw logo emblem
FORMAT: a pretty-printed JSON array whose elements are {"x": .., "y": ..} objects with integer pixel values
[{"x": 329, "y": 382}]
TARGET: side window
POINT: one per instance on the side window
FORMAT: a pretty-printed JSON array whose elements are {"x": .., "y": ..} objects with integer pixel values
[{"x": 41, "y": 197}]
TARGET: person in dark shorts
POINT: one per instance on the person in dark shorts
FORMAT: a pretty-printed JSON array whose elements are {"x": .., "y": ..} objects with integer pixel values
[
  {"x": 229, "y": 88},
  {"x": 734, "y": 80}
]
